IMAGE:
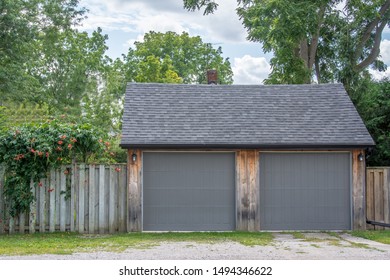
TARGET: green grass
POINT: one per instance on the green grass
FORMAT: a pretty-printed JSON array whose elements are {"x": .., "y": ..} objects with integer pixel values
[
  {"x": 382, "y": 236},
  {"x": 67, "y": 243}
]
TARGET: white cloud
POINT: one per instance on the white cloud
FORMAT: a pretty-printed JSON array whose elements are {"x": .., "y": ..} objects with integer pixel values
[
  {"x": 385, "y": 57},
  {"x": 250, "y": 70},
  {"x": 143, "y": 16},
  {"x": 380, "y": 75},
  {"x": 161, "y": 23},
  {"x": 385, "y": 51}
]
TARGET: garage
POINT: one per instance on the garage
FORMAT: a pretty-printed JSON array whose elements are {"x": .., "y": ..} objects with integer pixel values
[
  {"x": 184, "y": 191},
  {"x": 305, "y": 191},
  {"x": 244, "y": 157}
]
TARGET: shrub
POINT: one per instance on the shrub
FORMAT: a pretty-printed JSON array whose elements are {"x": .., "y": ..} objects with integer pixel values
[{"x": 29, "y": 152}]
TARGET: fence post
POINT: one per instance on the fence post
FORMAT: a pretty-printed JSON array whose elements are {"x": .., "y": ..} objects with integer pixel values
[{"x": 386, "y": 195}]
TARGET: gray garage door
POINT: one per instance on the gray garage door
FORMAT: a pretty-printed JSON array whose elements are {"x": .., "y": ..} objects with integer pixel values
[
  {"x": 188, "y": 191},
  {"x": 305, "y": 191}
]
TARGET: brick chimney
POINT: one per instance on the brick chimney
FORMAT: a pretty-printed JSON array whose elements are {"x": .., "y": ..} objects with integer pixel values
[{"x": 212, "y": 77}]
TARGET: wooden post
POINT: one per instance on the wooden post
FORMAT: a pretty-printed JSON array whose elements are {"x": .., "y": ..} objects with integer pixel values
[
  {"x": 247, "y": 190},
  {"x": 134, "y": 168},
  {"x": 358, "y": 191}
]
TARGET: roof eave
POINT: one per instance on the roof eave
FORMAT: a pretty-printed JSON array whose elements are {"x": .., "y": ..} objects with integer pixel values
[{"x": 246, "y": 146}]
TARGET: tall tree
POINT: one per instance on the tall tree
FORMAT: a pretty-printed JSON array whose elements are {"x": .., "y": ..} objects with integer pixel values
[
  {"x": 188, "y": 57},
  {"x": 304, "y": 35},
  {"x": 22, "y": 24}
]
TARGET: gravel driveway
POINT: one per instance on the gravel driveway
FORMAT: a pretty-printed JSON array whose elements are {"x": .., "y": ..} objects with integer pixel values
[{"x": 285, "y": 246}]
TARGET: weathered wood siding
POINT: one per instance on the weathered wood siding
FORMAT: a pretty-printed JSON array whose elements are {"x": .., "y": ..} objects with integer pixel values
[
  {"x": 378, "y": 196},
  {"x": 247, "y": 190},
  {"x": 358, "y": 191},
  {"x": 97, "y": 202},
  {"x": 134, "y": 179}
]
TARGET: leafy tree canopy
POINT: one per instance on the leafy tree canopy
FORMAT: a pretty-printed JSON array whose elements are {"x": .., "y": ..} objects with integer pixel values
[
  {"x": 173, "y": 57},
  {"x": 374, "y": 107},
  {"x": 313, "y": 37}
]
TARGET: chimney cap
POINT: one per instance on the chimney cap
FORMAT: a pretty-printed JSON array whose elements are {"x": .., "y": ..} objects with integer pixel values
[{"x": 212, "y": 76}]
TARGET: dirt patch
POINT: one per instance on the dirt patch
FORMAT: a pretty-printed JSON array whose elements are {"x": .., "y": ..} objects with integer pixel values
[{"x": 285, "y": 246}]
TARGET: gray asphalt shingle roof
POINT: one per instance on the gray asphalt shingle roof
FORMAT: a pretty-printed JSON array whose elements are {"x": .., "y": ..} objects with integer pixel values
[{"x": 238, "y": 116}]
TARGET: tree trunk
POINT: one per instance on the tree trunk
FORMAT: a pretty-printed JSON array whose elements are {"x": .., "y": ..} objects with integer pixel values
[{"x": 318, "y": 72}]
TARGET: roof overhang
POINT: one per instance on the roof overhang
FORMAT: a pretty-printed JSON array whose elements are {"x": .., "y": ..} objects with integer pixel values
[{"x": 246, "y": 146}]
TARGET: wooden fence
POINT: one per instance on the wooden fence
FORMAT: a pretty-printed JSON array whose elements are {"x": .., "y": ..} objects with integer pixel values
[
  {"x": 378, "y": 195},
  {"x": 81, "y": 198},
  {"x": 93, "y": 199}
]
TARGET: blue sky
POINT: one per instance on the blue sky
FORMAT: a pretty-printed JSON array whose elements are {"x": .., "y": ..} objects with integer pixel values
[{"x": 126, "y": 21}]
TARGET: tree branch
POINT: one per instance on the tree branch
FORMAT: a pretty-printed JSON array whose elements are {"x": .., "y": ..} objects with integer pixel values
[
  {"x": 371, "y": 26},
  {"x": 375, "y": 49}
]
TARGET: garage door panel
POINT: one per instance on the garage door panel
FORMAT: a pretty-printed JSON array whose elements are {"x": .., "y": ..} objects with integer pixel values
[
  {"x": 188, "y": 191},
  {"x": 305, "y": 191}
]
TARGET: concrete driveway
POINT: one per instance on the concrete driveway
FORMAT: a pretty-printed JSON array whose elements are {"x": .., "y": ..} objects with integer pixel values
[{"x": 286, "y": 246}]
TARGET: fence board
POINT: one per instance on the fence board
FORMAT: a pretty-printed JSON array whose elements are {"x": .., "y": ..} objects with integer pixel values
[
  {"x": 73, "y": 197},
  {"x": 52, "y": 201},
  {"x": 386, "y": 197},
  {"x": 122, "y": 200},
  {"x": 62, "y": 198},
  {"x": 81, "y": 199},
  {"x": 58, "y": 193},
  {"x": 101, "y": 198},
  {"x": 33, "y": 210},
  {"x": 377, "y": 197},
  {"x": 41, "y": 189},
  {"x": 11, "y": 225},
  {"x": 22, "y": 222},
  {"x": 111, "y": 203},
  {"x": 91, "y": 197},
  {"x": 370, "y": 197}
]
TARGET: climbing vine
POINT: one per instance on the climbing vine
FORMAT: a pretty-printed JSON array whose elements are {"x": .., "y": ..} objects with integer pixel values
[{"x": 30, "y": 151}]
